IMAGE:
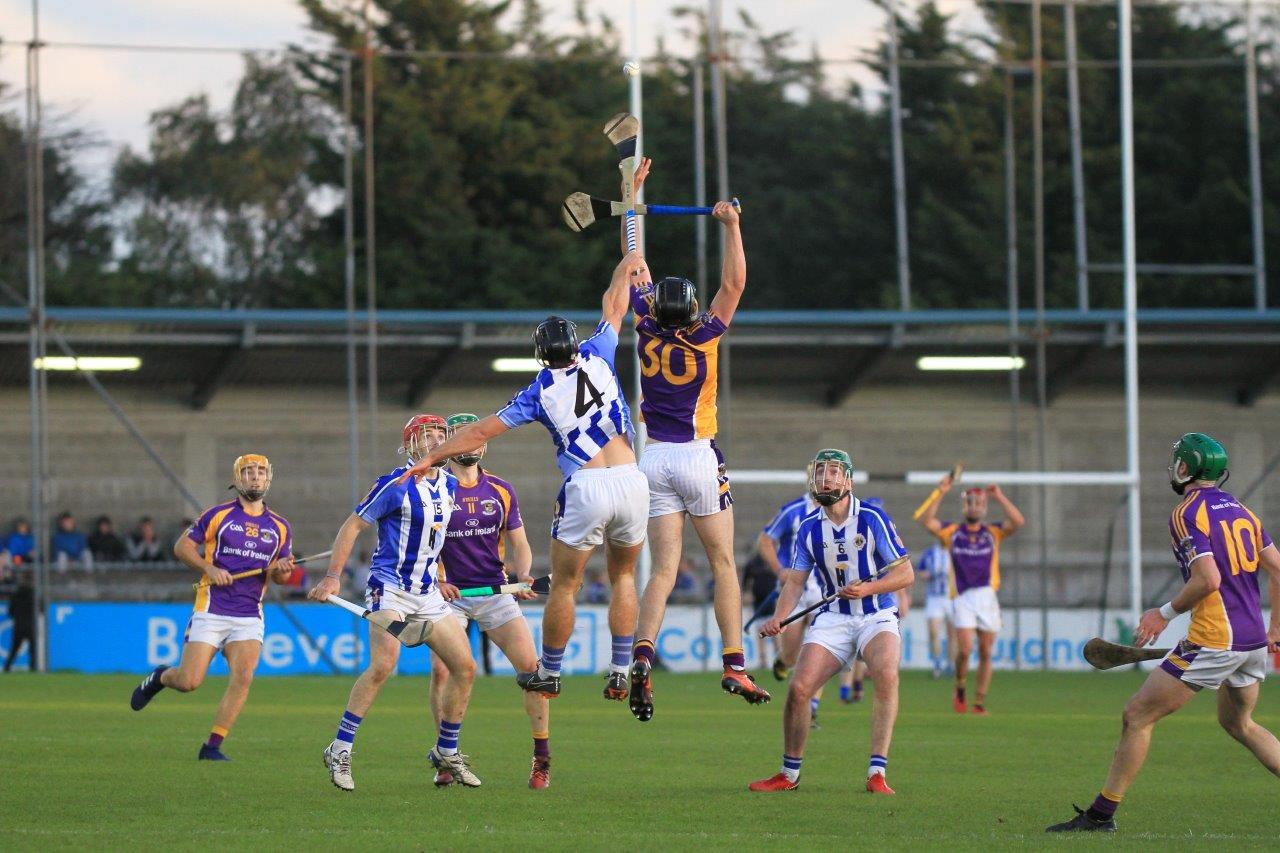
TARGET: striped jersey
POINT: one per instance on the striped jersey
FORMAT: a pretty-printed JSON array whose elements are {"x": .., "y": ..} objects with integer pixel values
[
  {"x": 784, "y": 526},
  {"x": 473, "y": 551},
  {"x": 1210, "y": 521},
  {"x": 581, "y": 405},
  {"x": 679, "y": 372},
  {"x": 236, "y": 541},
  {"x": 935, "y": 565},
  {"x": 975, "y": 554},
  {"x": 860, "y": 549},
  {"x": 411, "y": 518}
]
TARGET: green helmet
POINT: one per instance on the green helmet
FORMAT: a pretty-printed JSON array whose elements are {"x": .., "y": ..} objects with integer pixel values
[
  {"x": 453, "y": 423},
  {"x": 1204, "y": 458},
  {"x": 827, "y": 458}
]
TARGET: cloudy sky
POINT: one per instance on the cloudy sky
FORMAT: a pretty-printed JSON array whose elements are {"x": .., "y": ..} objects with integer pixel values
[{"x": 112, "y": 92}]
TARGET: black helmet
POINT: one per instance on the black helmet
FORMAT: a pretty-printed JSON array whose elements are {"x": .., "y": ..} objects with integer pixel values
[
  {"x": 555, "y": 342},
  {"x": 675, "y": 302}
]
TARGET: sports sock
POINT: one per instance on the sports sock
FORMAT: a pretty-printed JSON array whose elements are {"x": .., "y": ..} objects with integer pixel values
[
  {"x": 542, "y": 744},
  {"x": 1104, "y": 806},
  {"x": 643, "y": 649},
  {"x": 216, "y": 736},
  {"x": 791, "y": 767},
  {"x": 845, "y": 692},
  {"x": 960, "y": 693},
  {"x": 447, "y": 742},
  {"x": 551, "y": 658},
  {"x": 879, "y": 764},
  {"x": 734, "y": 658},
  {"x": 346, "y": 736},
  {"x": 857, "y": 685},
  {"x": 813, "y": 707},
  {"x": 621, "y": 658}
]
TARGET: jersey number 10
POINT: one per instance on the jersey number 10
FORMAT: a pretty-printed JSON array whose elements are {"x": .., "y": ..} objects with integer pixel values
[{"x": 1241, "y": 539}]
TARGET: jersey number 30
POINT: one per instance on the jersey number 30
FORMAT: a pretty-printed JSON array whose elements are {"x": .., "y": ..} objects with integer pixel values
[{"x": 588, "y": 397}]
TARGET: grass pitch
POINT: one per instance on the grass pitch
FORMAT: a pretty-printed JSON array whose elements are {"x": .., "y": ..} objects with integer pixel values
[{"x": 81, "y": 770}]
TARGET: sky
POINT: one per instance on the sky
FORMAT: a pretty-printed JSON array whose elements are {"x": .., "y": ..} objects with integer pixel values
[{"x": 112, "y": 92}]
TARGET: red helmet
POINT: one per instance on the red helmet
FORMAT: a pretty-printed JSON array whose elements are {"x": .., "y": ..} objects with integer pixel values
[{"x": 410, "y": 436}]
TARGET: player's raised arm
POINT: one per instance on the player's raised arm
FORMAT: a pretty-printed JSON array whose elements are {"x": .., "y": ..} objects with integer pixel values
[
  {"x": 617, "y": 299},
  {"x": 464, "y": 441},
  {"x": 642, "y": 172},
  {"x": 1013, "y": 520},
  {"x": 930, "y": 518},
  {"x": 733, "y": 273}
]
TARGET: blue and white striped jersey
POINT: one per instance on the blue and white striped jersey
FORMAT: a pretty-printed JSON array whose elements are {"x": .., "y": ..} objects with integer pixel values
[
  {"x": 784, "y": 526},
  {"x": 580, "y": 405},
  {"x": 412, "y": 520},
  {"x": 935, "y": 565},
  {"x": 861, "y": 548}
]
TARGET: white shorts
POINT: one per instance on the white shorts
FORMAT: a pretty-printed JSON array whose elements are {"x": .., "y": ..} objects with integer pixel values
[
  {"x": 938, "y": 607},
  {"x": 489, "y": 611},
  {"x": 977, "y": 608},
  {"x": 812, "y": 594},
  {"x": 686, "y": 476},
  {"x": 847, "y": 637},
  {"x": 217, "y": 630},
  {"x": 414, "y": 607},
  {"x": 1198, "y": 667},
  {"x": 602, "y": 503}
]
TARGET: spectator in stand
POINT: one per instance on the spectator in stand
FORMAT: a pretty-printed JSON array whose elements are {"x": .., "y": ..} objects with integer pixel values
[
  {"x": 22, "y": 600},
  {"x": 597, "y": 591},
  {"x": 144, "y": 545},
  {"x": 20, "y": 544},
  {"x": 68, "y": 545},
  {"x": 104, "y": 544}
]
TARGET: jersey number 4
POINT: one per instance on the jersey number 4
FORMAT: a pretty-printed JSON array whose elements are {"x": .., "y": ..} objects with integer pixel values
[{"x": 588, "y": 397}]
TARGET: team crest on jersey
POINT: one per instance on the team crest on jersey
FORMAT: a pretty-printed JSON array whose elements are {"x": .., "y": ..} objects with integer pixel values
[
  {"x": 250, "y": 529},
  {"x": 1188, "y": 549},
  {"x": 473, "y": 522},
  {"x": 488, "y": 506},
  {"x": 859, "y": 541}
]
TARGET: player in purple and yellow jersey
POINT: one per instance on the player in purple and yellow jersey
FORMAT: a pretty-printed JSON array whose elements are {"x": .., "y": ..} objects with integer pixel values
[
  {"x": 485, "y": 543},
  {"x": 1219, "y": 545},
  {"x": 679, "y": 368},
  {"x": 231, "y": 538},
  {"x": 974, "y": 547}
]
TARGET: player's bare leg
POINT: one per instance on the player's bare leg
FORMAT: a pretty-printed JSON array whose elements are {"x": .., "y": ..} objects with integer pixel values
[
  {"x": 716, "y": 533},
  {"x": 567, "y": 566},
  {"x": 964, "y": 649},
  {"x": 439, "y": 678},
  {"x": 449, "y": 641},
  {"x": 883, "y": 655},
  {"x": 384, "y": 652},
  {"x": 936, "y": 626},
  {"x": 516, "y": 642},
  {"x": 665, "y": 534},
  {"x": 815, "y": 668},
  {"x": 1235, "y": 713},
  {"x": 242, "y": 661},
  {"x": 986, "y": 642},
  {"x": 190, "y": 672}
]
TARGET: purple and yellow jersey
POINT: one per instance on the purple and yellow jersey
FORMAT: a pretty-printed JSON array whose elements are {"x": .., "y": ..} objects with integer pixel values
[
  {"x": 236, "y": 541},
  {"x": 473, "y": 550},
  {"x": 1212, "y": 522},
  {"x": 679, "y": 369},
  {"x": 860, "y": 549},
  {"x": 975, "y": 555}
]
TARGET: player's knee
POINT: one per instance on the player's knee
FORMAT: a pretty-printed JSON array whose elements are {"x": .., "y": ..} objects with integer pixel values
[
  {"x": 379, "y": 671},
  {"x": 186, "y": 682},
  {"x": 464, "y": 669},
  {"x": 1135, "y": 715},
  {"x": 241, "y": 678},
  {"x": 1235, "y": 725}
]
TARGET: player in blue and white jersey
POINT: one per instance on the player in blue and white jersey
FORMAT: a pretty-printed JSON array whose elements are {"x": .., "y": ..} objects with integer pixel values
[
  {"x": 935, "y": 568},
  {"x": 412, "y": 519},
  {"x": 860, "y": 562},
  {"x": 605, "y": 497}
]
